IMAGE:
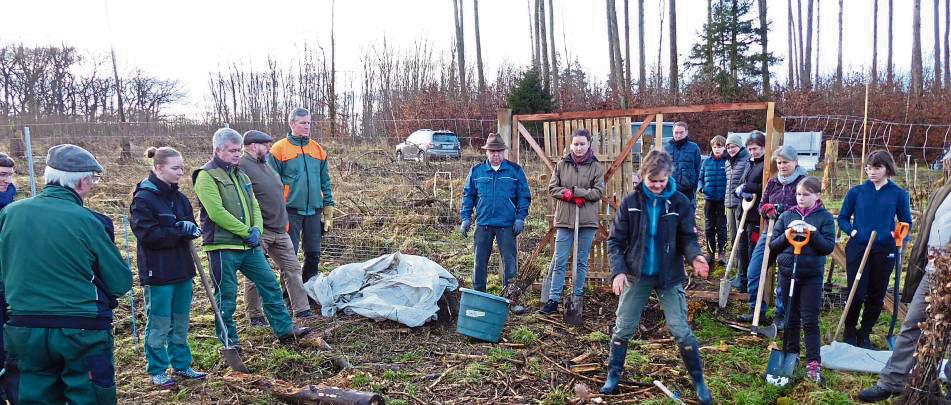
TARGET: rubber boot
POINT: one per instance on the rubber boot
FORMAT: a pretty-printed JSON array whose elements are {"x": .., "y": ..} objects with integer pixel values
[
  {"x": 618, "y": 348},
  {"x": 310, "y": 269},
  {"x": 690, "y": 353},
  {"x": 850, "y": 336}
]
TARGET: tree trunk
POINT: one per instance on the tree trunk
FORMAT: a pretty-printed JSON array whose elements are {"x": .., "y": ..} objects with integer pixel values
[
  {"x": 807, "y": 78},
  {"x": 612, "y": 73},
  {"x": 531, "y": 33},
  {"x": 478, "y": 44},
  {"x": 331, "y": 83},
  {"x": 709, "y": 37},
  {"x": 460, "y": 44},
  {"x": 875, "y": 42},
  {"x": 641, "y": 56},
  {"x": 916, "y": 66},
  {"x": 890, "y": 64},
  {"x": 538, "y": 39},
  {"x": 802, "y": 80},
  {"x": 543, "y": 34},
  {"x": 937, "y": 45},
  {"x": 764, "y": 63},
  {"x": 790, "y": 41},
  {"x": 947, "y": 44},
  {"x": 674, "y": 69},
  {"x": 838, "y": 64},
  {"x": 627, "y": 49},
  {"x": 551, "y": 46},
  {"x": 818, "y": 30}
]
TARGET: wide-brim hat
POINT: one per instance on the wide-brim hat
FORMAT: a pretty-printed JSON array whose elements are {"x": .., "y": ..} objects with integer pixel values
[{"x": 494, "y": 142}]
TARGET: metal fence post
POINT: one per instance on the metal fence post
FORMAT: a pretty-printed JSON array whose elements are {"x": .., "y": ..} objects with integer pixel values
[{"x": 29, "y": 159}]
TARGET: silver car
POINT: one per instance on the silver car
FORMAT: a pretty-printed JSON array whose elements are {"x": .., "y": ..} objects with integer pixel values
[{"x": 426, "y": 144}]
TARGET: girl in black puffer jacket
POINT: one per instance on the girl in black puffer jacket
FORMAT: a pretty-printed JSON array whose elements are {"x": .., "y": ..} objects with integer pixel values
[
  {"x": 164, "y": 225},
  {"x": 807, "y": 294}
]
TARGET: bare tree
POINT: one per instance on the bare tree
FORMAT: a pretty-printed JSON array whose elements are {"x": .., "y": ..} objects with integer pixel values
[
  {"x": 332, "y": 82},
  {"x": 614, "y": 50},
  {"x": 460, "y": 44},
  {"x": 818, "y": 36},
  {"x": 674, "y": 66},
  {"x": 890, "y": 64},
  {"x": 478, "y": 44},
  {"x": 764, "y": 29},
  {"x": 641, "y": 56},
  {"x": 791, "y": 64},
  {"x": 947, "y": 44},
  {"x": 916, "y": 66},
  {"x": 802, "y": 63},
  {"x": 627, "y": 48},
  {"x": 875, "y": 41},
  {"x": 807, "y": 66},
  {"x": 538, "y": 39},
  {"x": 838, "y": 64},
  {"x": 937, "y": 45},
  {"x": 551, "y": 46},
  {"x": 532, "y": 32},
  {"x": 543, "y": 36}
]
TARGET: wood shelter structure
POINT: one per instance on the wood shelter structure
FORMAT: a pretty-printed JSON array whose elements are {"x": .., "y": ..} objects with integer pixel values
[{"x": 613, "y": 144}]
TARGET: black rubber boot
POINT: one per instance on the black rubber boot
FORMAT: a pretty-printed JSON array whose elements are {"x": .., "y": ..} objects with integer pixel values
[
  {"x": 310, "y": 268},
  {"x": 618, "y": 349},
  {"x": 850, "y": 336},
  {"x": 690, "y": 353},
  {"x": 550, "y": 307}
]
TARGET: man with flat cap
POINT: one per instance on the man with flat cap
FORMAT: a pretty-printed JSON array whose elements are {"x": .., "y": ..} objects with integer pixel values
[
  {"x": 61, "y": 284},
  {"x": 498, "y": 191},
  {"x": 275, "y": 240}
]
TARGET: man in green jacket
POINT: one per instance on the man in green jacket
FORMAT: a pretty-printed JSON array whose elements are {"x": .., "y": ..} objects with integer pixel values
[
  {"x": 61, "y": 273},
  {"x": 231, "y": 234},
  {"x": 302, "y": 164}
]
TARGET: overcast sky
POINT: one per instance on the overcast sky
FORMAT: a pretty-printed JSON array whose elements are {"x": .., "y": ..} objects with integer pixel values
[{"x": 187, "y": 39}]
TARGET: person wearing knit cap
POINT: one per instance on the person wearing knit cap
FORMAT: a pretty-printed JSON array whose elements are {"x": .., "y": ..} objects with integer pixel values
[
  {"x": 738, "y": 159},
  {"x": 59, "y": 336}
]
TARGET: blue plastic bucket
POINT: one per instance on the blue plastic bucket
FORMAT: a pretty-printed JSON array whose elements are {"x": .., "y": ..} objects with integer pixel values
[{"x": 481, "y": 315}]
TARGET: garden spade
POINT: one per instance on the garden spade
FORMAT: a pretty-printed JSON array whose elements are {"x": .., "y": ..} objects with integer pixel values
[
  {"x": 770, "y": 331},
  {"x": 573, "y": 305},
  {"x": 855, "y": 285},
  {"x": 781, "y": 365},
  {"x": 230, "y": 353},
  {"x": 901, "y": 232},
  {"x": 725, "y": 285}
]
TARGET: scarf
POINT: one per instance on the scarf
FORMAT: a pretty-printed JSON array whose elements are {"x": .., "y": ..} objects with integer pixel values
[
  {"x": 584, "y": 158},
  {"x": 681, "y": 142},
  {"x": 806, "y": 211},
  {"x": 795, "y": 175}
]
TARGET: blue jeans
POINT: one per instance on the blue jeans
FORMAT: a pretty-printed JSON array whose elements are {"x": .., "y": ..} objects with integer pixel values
[
  {"x": 674, "y": 302},
  {"x": 505, "y": 238},
  {"x": 564, "y": 238}
]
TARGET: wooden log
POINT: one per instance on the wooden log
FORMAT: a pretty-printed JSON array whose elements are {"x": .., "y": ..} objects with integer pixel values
[
  {"x": 309, "y": 394},
  {"x": 714, "y": 296}
]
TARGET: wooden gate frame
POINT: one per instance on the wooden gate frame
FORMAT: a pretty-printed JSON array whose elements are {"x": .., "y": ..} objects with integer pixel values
[{"x": 509, "y": 124}]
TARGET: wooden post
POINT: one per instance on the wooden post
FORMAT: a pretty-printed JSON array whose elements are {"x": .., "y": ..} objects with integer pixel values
[
  {"x": 830, "y": 162},
  {"x": 775, "y": 129},
  {"x": 658, "y": 132},
  {"x": 504, "y": 129}
]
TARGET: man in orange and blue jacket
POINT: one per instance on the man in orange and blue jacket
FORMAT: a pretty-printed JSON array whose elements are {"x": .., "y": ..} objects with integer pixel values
[{"x": 302, "y": 165}]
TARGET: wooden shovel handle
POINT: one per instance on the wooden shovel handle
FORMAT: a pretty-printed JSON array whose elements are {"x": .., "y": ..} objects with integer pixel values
[{"x": 855, "y": 285}]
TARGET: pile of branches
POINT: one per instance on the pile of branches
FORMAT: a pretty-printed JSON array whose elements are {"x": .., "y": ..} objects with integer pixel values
[{"x": 924, "y": 387}]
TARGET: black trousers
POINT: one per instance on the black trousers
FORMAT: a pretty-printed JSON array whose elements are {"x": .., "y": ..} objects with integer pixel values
[
  {"x": 870, "y": 294},
  {"x": 803, "y": 314},
  {"x": 714, "y": 214}
]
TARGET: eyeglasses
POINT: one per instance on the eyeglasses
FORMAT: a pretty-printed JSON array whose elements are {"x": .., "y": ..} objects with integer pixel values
[{"x": 96, "y": 178}]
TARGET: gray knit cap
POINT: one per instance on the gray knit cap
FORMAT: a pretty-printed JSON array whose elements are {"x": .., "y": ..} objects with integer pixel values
[
  {"x": 787, "y": 152},
  {"x": 735, "y": 139},
  {"x": 72, "y": 158}
]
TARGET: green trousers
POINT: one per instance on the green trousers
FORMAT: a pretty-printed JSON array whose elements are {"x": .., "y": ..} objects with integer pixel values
[
  {"x": 224, "y": 265},
  {"x": 60, "y": 365},
  {"x": 166, "y": 333}
]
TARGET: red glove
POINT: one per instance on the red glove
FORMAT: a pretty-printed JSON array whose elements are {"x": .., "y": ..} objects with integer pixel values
[
  {"x": 579, "y": 201},
  {"x": 567, "y": 195},
  {"x": 769, "y": 210},
  {"x": 754, "y": 237}
]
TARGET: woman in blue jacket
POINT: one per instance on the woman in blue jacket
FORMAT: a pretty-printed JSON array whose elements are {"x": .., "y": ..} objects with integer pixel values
[
  {"x": 164, "y": 225},
  {"x": 871, "y": 206}
]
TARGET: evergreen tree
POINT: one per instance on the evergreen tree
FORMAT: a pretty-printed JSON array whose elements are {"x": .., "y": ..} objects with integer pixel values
[
  {"x": 529, "y": 95},
  {"x": 729, "y": 39}
]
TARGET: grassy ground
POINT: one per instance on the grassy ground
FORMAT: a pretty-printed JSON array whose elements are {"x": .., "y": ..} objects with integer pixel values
[{"x": 386, "y": 206}]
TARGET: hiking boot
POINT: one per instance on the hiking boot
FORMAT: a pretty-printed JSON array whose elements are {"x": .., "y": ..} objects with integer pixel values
[
  {"x": 305, "y": 315},
  {"x": 738, "y": 284},
  {"x": 690, "y": 353},
  {"x": 550, "y": 307},
  {"x": 162, "y": 381},
  {"x": 876, "y": 393},
  {"x": 814, "y": 372},
  {"x": 191, "y": 374},
  {"x": 864, "y": 341},
  {"x": 618, "y": 354},
  {"x": 294, "y": 335},
  {"x": 258, "y": 322}
]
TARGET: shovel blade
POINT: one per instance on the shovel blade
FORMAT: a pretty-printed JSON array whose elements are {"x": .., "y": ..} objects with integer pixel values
[
  {"x": 573, "y": 310},
  {"x": 233, "y": 358},
  {"x": 546, "y": 285},
  {"x": 725, "y": 288},
  {"x": 768, "y": 332},
  {"x": 780, "y": 367}
]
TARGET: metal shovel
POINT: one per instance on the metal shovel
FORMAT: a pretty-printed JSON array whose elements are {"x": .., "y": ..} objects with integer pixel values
[
  {"x": 230, "y": 353},
  {"x": 901, "y": 231},
  {"x": 781, "y": 365},
  {"x": 725, "y": 285},
  {"x": 768, "y": 332},
  {"x": 573, "y": 305}
]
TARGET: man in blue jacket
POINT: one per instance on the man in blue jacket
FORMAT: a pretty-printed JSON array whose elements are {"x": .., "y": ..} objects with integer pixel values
[
  {"x": 686, "y": 156},
  {"x": 498, "y": 190}
]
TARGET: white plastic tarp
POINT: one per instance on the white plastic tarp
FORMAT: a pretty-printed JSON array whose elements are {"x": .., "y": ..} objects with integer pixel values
[
  {"x": 399, "y": 287},
  {"x": 845, "y": 357}
]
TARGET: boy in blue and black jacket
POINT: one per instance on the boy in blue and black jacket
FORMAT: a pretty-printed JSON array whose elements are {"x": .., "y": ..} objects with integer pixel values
[{"x": 713, "y": 185}]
